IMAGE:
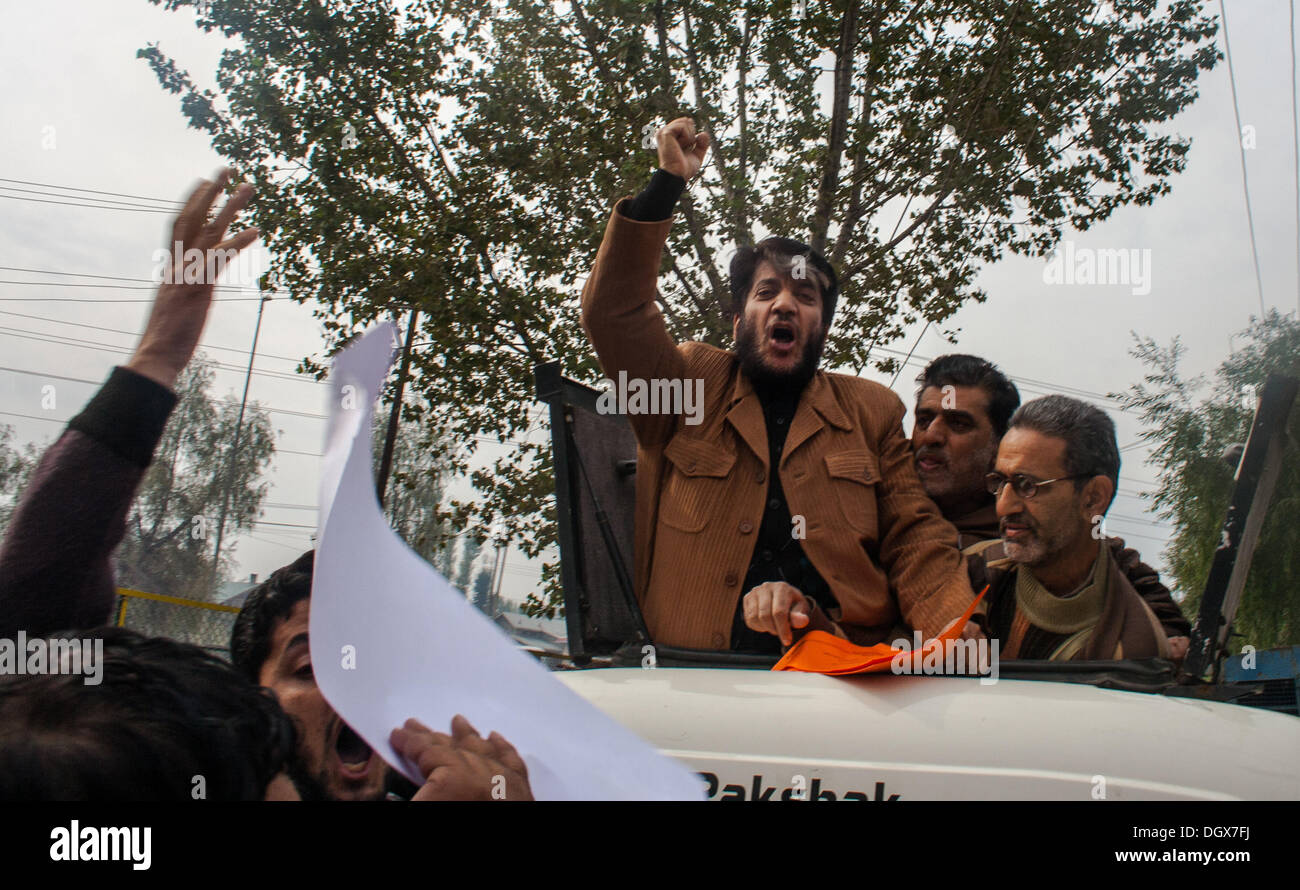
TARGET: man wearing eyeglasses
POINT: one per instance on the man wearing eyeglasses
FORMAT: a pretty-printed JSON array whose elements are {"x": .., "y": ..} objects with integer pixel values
[
  {"x": 1056, "y": 591},
  {"x": 963, "y": 407}
]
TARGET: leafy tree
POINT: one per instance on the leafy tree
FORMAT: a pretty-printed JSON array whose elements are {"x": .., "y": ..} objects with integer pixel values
[
  {"x": 462, "y": 157},
  {"x": 469, "y": 551},
  {"x": 16, "y": 466},
  {"x": 1189, "y": 439},
  {"x": 483, "y": 599},
  {"x": 416, "y": 489},
  {"x": 170, "y": 531}
]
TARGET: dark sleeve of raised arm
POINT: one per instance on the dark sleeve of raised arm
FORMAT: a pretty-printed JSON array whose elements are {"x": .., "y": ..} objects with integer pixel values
[
  {"x": 54, "y": 561},
  {"x": 657, "y": 200},
  {"x": 1146, "y": 581}
]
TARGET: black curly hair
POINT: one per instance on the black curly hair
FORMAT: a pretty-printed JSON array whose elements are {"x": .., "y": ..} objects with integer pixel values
[
  {"x": 163, "y": 714},
  {"x": 267, "y": 603}
]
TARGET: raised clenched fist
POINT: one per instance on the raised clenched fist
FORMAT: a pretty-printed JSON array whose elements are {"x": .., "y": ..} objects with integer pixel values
[{"x": 681, "y": 149}]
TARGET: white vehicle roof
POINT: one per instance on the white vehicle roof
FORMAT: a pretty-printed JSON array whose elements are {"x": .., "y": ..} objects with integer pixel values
[{"x": 773, "y": 735}]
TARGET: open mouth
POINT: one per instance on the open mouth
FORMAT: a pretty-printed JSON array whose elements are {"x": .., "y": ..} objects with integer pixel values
[
  {"x": 782, "y": 335},
  {"x": 928, "y": 462},
  {"x": 352, "y": 750}
]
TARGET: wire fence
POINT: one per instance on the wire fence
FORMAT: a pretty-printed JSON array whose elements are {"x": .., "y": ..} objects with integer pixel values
[{"x": 206, "y": 625}]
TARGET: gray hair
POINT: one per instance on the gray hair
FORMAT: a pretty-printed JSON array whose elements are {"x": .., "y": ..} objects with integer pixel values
[{"x": 1090, "y": 445}]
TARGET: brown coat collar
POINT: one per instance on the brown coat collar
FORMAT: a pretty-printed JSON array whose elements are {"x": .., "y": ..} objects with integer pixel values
[{"x": 817, "y": 403}]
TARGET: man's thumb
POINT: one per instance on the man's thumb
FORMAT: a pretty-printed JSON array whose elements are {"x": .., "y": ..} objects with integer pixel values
[{"x": 799, "y": 615}]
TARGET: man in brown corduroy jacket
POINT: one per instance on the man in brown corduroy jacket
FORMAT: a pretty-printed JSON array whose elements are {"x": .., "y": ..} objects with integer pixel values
[{"x": 790, "y": 501}]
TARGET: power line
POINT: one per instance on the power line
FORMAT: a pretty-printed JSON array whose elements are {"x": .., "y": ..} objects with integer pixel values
[
  {"x": 34, "y": 417},
  {"x": 152, "y": 285},
  {"x": 95, "y": 327},
  {"x": 289, "y": 411},
  {"x": 274, "y": 543},
  {"x": 299, "y": 453},
  {"x": 1245, "y": 185},
  {"x": 1027, "y": 383},
  {"x": 69, "y": 188},
  {"x": 98, "y": 300},
  {"x": 903, "y": 363},
  {"x": 102, "y": 202},
  {"x": 93, "y": 206},
  {"x": 147, "y": 281},
  {"x": 60, "y": 340}
]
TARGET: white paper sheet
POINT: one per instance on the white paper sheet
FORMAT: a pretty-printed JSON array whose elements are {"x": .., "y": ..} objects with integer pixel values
[{"x": 421, "y": 650}]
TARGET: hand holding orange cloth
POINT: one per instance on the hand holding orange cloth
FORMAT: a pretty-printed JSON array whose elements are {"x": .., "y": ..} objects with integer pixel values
[{"x": 818, "y": 652}]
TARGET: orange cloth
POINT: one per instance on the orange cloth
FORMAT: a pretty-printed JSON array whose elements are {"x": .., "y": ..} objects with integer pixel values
[{"x": 818, "y": 652}]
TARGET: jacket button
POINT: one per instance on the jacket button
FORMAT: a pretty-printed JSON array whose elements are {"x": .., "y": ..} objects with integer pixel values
[
  {"x": 690, "y": 467},
  {"x": 746, "y": 526},
  {"x": 760, "y": 476},
  {"x": 718, "y": 641},
  {"x": 731, "y": 579}
]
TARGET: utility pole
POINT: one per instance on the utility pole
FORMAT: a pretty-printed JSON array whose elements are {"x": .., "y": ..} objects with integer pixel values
[
  {"x": 498, "y": 574},
  {"x": 394, "y": 416},
  {"x": 234, "y": 450}
]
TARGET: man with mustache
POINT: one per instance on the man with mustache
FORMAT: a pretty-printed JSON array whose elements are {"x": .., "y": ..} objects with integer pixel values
[
  {"x": 792, "y": 504},
  {"x": 1055, "y": 589},
  {"x": 963, "y": 406}
]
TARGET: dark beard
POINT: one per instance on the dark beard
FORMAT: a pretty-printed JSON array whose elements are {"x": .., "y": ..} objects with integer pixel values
[
  {"x": 751, "y": 360},
  {"x": 309, "y": 787}
]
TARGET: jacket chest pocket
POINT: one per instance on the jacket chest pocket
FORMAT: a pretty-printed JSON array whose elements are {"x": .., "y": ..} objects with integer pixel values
[
  {"x": 697, "y": 482},
  {"x": 853, "y": 477}
]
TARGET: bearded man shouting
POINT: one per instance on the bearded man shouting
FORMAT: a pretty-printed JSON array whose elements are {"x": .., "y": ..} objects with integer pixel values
[{"x": 791, "y": 501}]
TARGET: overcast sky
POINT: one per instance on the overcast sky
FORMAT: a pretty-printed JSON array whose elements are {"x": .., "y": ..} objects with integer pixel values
[{"x": 81, "y": 112}]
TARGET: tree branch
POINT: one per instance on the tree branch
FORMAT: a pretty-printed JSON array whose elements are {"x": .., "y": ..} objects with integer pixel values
[
  {"x": 740, "y": 226},
  {"x": 830, "y": 179},
  {"x": 589, "y": 37},
  {"x": 708, "y": 118}
]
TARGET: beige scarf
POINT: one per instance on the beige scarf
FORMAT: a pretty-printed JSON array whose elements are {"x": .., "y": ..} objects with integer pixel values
[{"x": 1076, "y": 614}]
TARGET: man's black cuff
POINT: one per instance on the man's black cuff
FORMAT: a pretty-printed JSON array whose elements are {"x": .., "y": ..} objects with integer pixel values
[
  {"x": 657, "y": 200},
  {"x": 127, "y": 415}
]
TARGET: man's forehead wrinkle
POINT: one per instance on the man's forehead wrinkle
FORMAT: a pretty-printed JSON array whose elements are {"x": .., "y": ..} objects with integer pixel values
[{"x": 1030, "y": 462}]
